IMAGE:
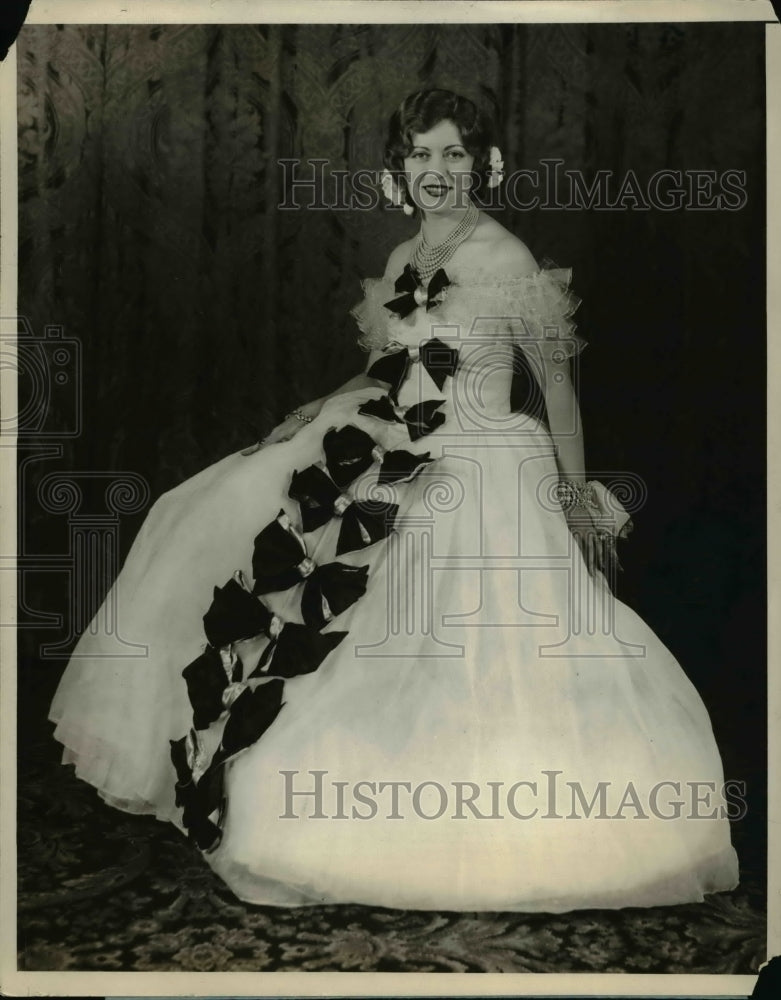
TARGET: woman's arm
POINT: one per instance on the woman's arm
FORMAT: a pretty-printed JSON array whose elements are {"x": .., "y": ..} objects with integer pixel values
[
  {"x": 511, "y": 255},
  {"x": 564, "y": 419},
  {"x": 567, "y": 435}
]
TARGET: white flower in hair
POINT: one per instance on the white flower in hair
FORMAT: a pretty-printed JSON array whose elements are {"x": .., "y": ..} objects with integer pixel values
[
  {"x": 389, "y": 188},
  {"x": 393, "y": 194},
  {"x": 496, "y": 174}
]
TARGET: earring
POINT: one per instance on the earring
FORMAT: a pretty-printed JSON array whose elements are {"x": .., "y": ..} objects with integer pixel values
[{"x": 407, "y": 209}]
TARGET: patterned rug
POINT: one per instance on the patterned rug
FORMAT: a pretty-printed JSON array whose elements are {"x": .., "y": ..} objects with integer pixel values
[{"x": 101, "y": 890}]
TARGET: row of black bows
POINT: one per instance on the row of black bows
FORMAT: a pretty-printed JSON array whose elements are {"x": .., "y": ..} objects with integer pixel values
[{"x": 215, "y": 679}]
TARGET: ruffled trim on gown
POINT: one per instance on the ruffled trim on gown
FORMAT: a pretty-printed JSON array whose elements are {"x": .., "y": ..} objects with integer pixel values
[{"x": 536, "y": 311}]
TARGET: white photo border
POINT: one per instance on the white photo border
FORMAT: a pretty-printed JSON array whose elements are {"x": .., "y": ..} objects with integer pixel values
[{"x": 282, "y": 984}]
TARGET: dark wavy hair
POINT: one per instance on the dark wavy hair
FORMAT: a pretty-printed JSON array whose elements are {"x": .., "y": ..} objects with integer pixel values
[{"x": 423, "y": 110}]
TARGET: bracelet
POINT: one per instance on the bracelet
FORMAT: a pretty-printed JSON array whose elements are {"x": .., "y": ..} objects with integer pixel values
[
  {"x": 571, "y": 494},
  {"x": 300, "y": 415}
]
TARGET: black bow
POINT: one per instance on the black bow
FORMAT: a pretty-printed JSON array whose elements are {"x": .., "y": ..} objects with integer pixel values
[
  {"x": 349, "y": 451},
  {"x": 235, "y": 614},
  {"x": 330, "y": 590},
  {"x": 399, "y": 466},
  {"x": 421, "y": 419},
  {"x": 364, "y": 522},
  {"x": 408, "y": 284},
  {"x": 437, "y": 358},
  {"x": 193, "y": 801},
  {"x": 207, "y": 678},
  {"x": 203, "y": 802},
  {"x": 299, "y": 649},
  {"x": 280, "y": 561},
  {"x": 250, "y": 716}
]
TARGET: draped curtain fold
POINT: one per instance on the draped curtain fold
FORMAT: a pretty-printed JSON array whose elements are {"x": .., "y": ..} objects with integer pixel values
[{"x": 150, "y": 182}]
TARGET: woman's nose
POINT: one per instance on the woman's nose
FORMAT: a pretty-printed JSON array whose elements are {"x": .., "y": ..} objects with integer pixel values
[{"x": 438, "y": 165}]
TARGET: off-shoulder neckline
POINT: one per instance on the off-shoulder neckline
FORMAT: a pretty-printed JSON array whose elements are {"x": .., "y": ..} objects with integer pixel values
[{"x": 484, "y": 275}]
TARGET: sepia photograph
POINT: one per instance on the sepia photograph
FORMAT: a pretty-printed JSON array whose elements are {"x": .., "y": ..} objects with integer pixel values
[{"x": 389, "y": 436}]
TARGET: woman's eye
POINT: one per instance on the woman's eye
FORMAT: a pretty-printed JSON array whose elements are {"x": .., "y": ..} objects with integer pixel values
[{"x": 452, "y": 154}]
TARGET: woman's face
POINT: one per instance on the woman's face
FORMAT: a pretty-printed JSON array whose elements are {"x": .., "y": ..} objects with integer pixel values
[{"x": 438, "y": 169}]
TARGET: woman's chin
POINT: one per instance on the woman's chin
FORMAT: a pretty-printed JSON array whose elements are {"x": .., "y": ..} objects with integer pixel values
[{"x": 439, "y": 205}]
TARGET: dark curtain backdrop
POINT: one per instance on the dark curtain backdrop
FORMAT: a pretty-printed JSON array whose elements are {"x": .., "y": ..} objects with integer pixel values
[{"x": 149, "y": 229}]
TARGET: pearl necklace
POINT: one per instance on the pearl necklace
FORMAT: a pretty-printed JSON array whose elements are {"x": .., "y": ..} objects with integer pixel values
[{"x": 428, "y": 259}]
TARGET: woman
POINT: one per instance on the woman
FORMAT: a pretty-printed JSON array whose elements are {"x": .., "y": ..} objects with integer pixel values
[{"x": 378, "y": 669}]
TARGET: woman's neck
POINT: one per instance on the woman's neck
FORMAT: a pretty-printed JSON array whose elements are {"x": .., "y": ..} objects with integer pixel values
[{"x": 436, "y": 226}]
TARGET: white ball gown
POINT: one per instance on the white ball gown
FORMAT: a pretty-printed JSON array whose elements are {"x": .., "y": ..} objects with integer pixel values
[{"x": 407, "y": 690}]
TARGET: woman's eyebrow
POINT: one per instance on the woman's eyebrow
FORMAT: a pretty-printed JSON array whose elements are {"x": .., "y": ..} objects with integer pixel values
[{"x": 452, "y": 145}]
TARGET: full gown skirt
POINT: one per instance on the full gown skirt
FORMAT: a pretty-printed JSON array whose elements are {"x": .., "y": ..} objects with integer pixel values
[{"x": 482, "y": 655}]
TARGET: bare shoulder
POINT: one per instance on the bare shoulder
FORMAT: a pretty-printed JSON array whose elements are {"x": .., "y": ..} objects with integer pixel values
[
  {"x": 399, "y": 256},
  {"x": 505, "y": 251},
  {"x": 502, "y": 250},
  {"x": 512, "y": 254}
]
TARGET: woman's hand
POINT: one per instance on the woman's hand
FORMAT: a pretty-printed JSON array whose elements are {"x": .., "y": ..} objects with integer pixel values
[
  {"x": 292, "y": 424},
  {"x": 289, "y": 427},
  {"x": 581, "y": 522}
]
